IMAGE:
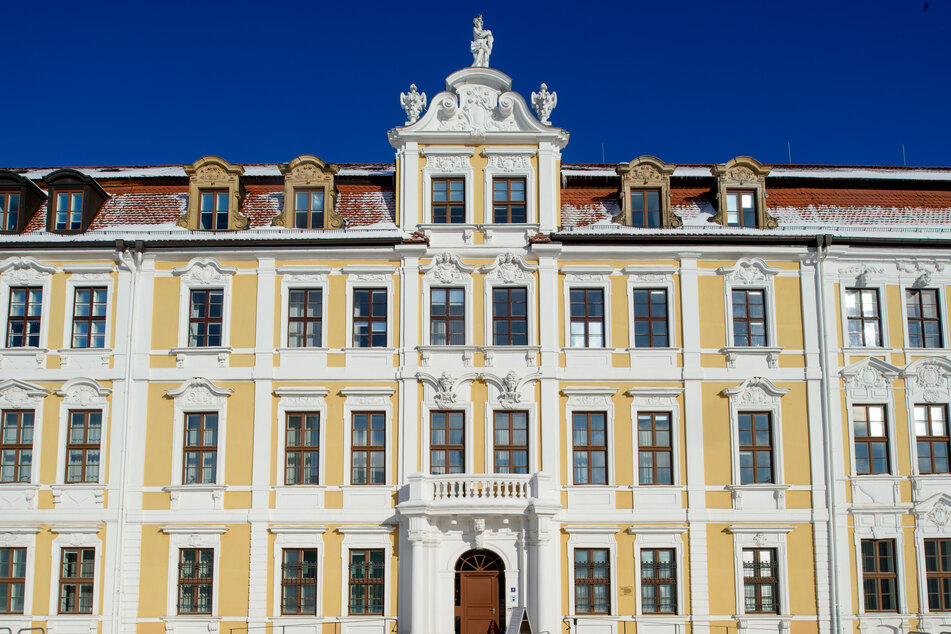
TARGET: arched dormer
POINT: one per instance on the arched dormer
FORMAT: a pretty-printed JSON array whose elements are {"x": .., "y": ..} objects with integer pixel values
[
  {"x": 19, "y": 200},
  {"x": 741, "y": 194},
  {"x": 74, "y": 200},
  {"x": 309, "y": 195},
  {"x": 645, "y": 194},
  {"x": 214, "y": 196}
]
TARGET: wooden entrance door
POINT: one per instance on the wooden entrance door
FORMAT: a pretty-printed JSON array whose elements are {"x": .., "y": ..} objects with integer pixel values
[{"x": 478, "y": 593}]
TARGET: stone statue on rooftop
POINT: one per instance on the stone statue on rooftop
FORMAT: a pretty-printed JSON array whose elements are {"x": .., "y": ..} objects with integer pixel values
[{"x": 481, "y": 46}]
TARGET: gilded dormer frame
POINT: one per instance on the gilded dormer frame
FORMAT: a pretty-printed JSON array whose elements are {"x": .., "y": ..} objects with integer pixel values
[
  {"x": 309, "y": 172},
  {"x": 743, "y": 173},
  {"x": 646, "y": 172},
  {"x": 213, "y": 172}
]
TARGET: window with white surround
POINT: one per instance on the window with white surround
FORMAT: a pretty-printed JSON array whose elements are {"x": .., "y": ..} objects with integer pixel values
[
  {"x": 590, "y": 547},
  {"x": 648, "y": 283},
  {"x": 749, "y": 298},
  {"x": 514, "y": 280},
  {"x": 761, "y": 575},
  {"x": 864, "y": 314},
  {"x": 505, "y": 165},
  {"x": 755, "y": 429},
  {"x": 204, "y": 317},
  {"x": 26, "y": 312},
  {"x": 451, "y": 166},
  {"x": 656, "y": 416},
  {"x": 446, "y": 413},
  {"x": 369, "y": 324},
  {"x": 659, "y": 570},
  {"x": 298, "y": 559},
  {"x": 590, "y": 435},
  {"x": 870, "y": 423},
  {"x": 199, "y": 427},
  {"x": 366, "y": 406},
  {"x": 17, "y": 561},
  {"x": 301, "y": 424},
  {"x": 304, "y": 314},
  {"x": 76, "y": 568},
  {"x": 88, "y": 328},
  {"x": 81, "y": 455},
  {"x": 365, "y": 538},
  {"x": 446, "y": 287},
  {"x": 587, "y": 301},
  {"x": 202, "y": 544},
  {"x": 21, "y": 402}
]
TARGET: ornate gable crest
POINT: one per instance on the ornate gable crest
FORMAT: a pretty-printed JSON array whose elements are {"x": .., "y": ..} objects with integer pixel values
[
  {"x": 929, "y": 379},
  {"x": 869, "y": 378},
  {"x": 83, "y": 392},
  {"x": 748, "y": 271},
  {"x": 446, "y": 267},
  {"x": 199, "y": 391},
  {"x": 509, "y": 267},
  {"x": 204, "y": 271},
  {"x": 25, "y": 270},
  {"x": 755, "y": 391}
]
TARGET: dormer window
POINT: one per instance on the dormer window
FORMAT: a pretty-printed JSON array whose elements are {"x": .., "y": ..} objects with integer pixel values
[
  {"x": 214, "y": 209},
  {"x": 741, "y": 194},
  {"x": 19, "y": 200},
  {"x": 74, "y": 200},
  {"x": 10, "y": 210},
  {"x": 645, "y": 194},
  {"x": 309, "y": 195},
  {"x": 68, "y": 211},
  {"x": 214, "y": 196}
]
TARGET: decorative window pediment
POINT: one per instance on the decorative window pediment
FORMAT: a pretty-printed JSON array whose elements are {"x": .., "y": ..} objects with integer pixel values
[
  {"x": 16, "y": 394},
  {"x": 313, "y": 180},
  {"x": 83, "y": 392},
  {"x": 74, "y": 200},
  {"x": 742, "y": 174},
  {"x": 199, "y": 392},
  {"x": 646, "y": 177},
  {"x": 212, "y": 175},
  {"x": 509, "y": 268},
  {"x": 870, "y": 378},
  {"x": 755, "y": 391},
  {"x": 748, "y": 271},
  {"x": 929, "y": 380},
  {"x": 25, "y": 270},
  {"x": 19, "y": 200}
]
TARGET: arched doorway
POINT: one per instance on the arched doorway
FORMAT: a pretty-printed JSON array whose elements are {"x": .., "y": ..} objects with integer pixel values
[{"x": 479, "y": 593}]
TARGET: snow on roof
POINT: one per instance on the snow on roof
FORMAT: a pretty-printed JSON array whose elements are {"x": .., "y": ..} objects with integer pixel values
[
  {"x": 857, "y": 172},
  {"x": 178, "y": 171}
]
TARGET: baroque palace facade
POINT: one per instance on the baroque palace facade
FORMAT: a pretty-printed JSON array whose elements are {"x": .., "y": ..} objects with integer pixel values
[{"x": 416, "y": 397}]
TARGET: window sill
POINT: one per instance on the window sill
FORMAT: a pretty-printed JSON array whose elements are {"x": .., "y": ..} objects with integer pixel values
[
  {"x": 78, "y": 495},
  {"x": 758, "y": 622},
  {"x": 18, "y": 495},
  {"x": 462, "y": 353},
  {"x": 196, "y": 496},
  {"x": 84, "y": 357},
  {"x": 499, "y": 233},
  {"x": 299, "y": 496},
  {"x": 529, "y": 353},
  {"x": 925, "y": 352},
  {"x": 751, "y": 356},
  {"x": 655, "y": 357},
  {"x": 23, "y": 358},
  {"x": 758, "y": 496},
  {"x": 201, "y": 353}
]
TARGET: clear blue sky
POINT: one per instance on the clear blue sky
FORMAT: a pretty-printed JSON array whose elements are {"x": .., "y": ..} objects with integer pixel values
[{"x": 110, "y": 83}]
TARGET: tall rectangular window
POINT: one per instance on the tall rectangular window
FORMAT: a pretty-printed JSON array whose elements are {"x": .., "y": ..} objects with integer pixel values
[
  {"x": 590, "y": 451},
  {"x": 447, "y": 448},
  {"x": 931, "y": 430},
  {"x": 9, "y": 211},
  {"x": 592, "y": 581},
  {"x": 645, "y": 208},
  {"x": 508, "y": 200},
  {"x": 82, "y": 446},
  {"x": 864, "y": 319},
  {"x": 756, "y": 447},
  {"x": 368, "y": 448},
  {"x": 68, "y": 211},
  {"x": 76, "y": 580},
  {"x": 586, "y": 306},
  {"x": 366, "y": 578},
  {"x": 658, "y": 581},
  {"x": 196, "y": 577},
  {"x": 741, "y": 208},
  {"x": 510, "y": 316},
  {"x": 510, "y": 442},
  {"x": 12, "y": 580},
  {"x": 302, "y": 446},
  {"x": 449, "y": 200},
  {"x": 938, "y": 574},
  {"x": 205, "y": 318},
  {"x": 213, "y": 212},
  {"x": 749, "y": 317},
  {"x": 650, "y": 318},
  {"x": 16, "y": 446},
  {"x": 760, "y": 581},
  {"x": 871, "y": 439},
  {"x": 201, "y": 448},
  {"x": 309, "y": 208},
  {"x": 924, "y": 320},
  {"x": 25, "y": 313},
  {"x": 654, "y": 451},
  {"x": 304, "y": 310},
  {"x": 447, "y": 317},
  {"x": 369, "y": 318},
  {"x": 299, "y": 581},
  {"x": 879, "y": 575},
  {"x": 89, "y": 318}
]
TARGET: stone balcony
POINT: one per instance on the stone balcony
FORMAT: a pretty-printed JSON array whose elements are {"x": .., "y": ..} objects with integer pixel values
[{"x": 477, "y": 493}]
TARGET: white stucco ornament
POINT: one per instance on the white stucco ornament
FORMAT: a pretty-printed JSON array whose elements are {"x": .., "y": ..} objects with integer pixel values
[
  {"x": 481, "y": 45},
  {"x": 544, "y": 102},
  {"x": 413, "y": 103}
]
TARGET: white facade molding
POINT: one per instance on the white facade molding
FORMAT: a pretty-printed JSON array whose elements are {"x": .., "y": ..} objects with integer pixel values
[
  {"x": 748, "y": 272},
  {"x": 772, "y": 536},
  {"x": 27, "y": 271},
  {"x": 751, "y": 274},
  {"x": 203, "y": 274},
  {"x": 309, "y": 536},
  {"x": 299, "y": 399},
  {"x": 510, "y": 270},
  {"x": 928, "y": 380},
  {"x": 508, "y": 162},
  {"x": 368, "y": 399},
  {"x": 83, "y": 393},
  {"x": 869, "y": 379},
  {"x": 658, "y": 400},
  {"x": 592, "y": 536},
  {"x": 87, "y": 276},
  {"x": 447, "y": 162},
  {"x": 193, "y": 536},
  {"x": 360, "y": 536},
  {"x": 663, "y": 537},
  {"x": 447, "y": 271},
  {"x": 204, "y": 271},
  {"x": 510, "y": 388},
  {"x": 590, "y": 398},
  {"x": 17, "y": 394},
  {"x": 651, "y": 278},
  {"x": 861, "y": 274},
  {"x": 198, "y": 395},
  {"x": 77, "y": 395},
  {"x": 76, "y": 535}
]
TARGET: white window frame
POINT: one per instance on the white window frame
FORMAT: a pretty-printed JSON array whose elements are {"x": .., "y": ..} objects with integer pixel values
[
  {"x": 19, "y": 395},
  {"x": 303, "y": 278},
  {"x": 757, "y": 395},
  {"x": 666, "y": 537},
  {"x": 927, "y": 383},
  {"x": 590, "y": 399},
  {"x": 931, "y": 523},
  {"x": 751, "y": 274},
  {"x": 880, "y": 525},
  {"x": 368, "y": 399},
  {"x": 762, "y": 536},
  {"x": 869, "y": 382},
  {"x": 22, "y": 536},
  {"x": 509, "y": 162},
  {"x": 860, "y": 283},
  {"x": 930, "y": 285},
  {"x": 203, "y": 274},
  {"x": 645, "y": 278},
  {"x": 296, "y": 536},
  {"x": 448, "y": 162},
  {"x": 26, "y": 271},
  {"x": 192, "y": 536},
  {"x": 592, "y": 536},
  {"x": 531, "y": 409},
  {"x": 437, "y": 402},
  {"x": 365, "y": 277},
  {"x": 198, "y": 396},
  {"x": 360, "y": 537},
  {"x": 300, "y": 399},
  {"x": 75, "y": 536},
  {"x": 87, "y": 276},
  {"x": 446, "y": 271},
  {"x": 82, "y": 394},
  {"x": 657, "y": 400},
  {"x": 581, "y": 277},
  {"x": 509, "y": 271}
]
